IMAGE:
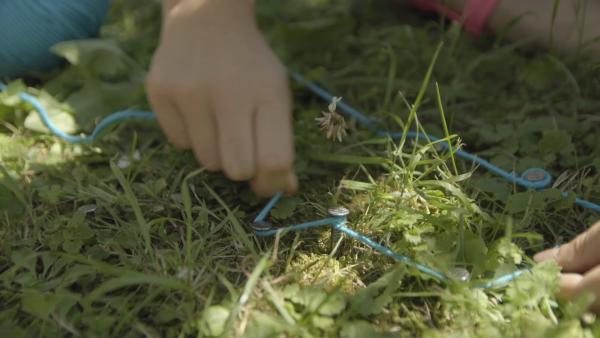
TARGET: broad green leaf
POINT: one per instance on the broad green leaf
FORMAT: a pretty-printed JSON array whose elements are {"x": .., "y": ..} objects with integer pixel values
[
  {"x": 555, "y": 141},
  {"x": 310, "y": 298},
  {"x": 285, "y": 208},
  {"x": 101, "y": 57},
  {"x": 473, "y": 251},
  {"x": 376, "y": 296},
  {"x": 72, "y": 246},
  {"x": 9, "y": 203},
  {"x": 213, "y": 320},
  {"x": 58, "y": 113},
  {"x": 523, "y": 201},
  {"x": 39, "y": 304},
  {"x": 497, "y": 187},
  {"x": 63, "y": 121},
  {"x": 540, "y": 74},
  {"x": 323, "y": 322},
  {"x": 24, "y": 258},
  {"x": 361, "y": 329},
  {"x": 10, "y": 97},
  {"x": 97, "y": 99},
  {"x": 334, "y": 305}
]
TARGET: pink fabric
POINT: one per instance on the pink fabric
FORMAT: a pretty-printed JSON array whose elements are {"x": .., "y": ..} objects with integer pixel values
[{"x": 474, "y": 17}]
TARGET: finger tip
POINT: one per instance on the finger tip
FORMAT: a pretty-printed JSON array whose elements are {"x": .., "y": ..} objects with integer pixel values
[
  {"x": 292, "y": 184},
  {"x": 238, "y": 175},
  {"x": 211, "y": 166},
  {"x": 267, "y": 185},
  {"x": 259, "y": 189},
  {"x": 569, "y": 285},
  {"x": 549, "y": 254}
]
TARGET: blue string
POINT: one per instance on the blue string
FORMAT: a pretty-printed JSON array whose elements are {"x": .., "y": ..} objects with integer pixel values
[
  {"x": 542, "y": 178},
  {"x": 339, "y": 224},
  {"x": 265, "y": 211},
  {"x": 400, "y": 258},
  {"x": 534, "y": 178},
  {"x": 298, "y": 227},
  {"x": 117, "y": 117}
]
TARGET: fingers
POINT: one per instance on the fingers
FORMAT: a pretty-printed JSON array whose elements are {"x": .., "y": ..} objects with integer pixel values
[
  {"x": 202, "y": 129},
  {"x": 266, "y": 186},
  {"x": 274, "y": 144},
  {"x": 168, "y": 117},
  {"x": 168, "y": 5},
  {"x": 573, "y": 285},
  {"x": 590, "y": 283},
  {"x": 579, "y": 255},
  {"x": 569, "y": 285},
  {"x": 236, "y": 140}
]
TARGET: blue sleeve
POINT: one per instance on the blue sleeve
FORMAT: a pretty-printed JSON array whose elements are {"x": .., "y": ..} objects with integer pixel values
[{"x": 28, "y": 28}]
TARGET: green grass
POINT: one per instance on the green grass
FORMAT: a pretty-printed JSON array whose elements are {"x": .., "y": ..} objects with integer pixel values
[{"x": 168, "y": 251}]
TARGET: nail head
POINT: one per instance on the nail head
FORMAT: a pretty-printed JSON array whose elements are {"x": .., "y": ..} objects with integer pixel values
[
  {"x": 338, "y": 212},
  {"x": 459, "y": 274},
  {"x": 261, "y": 226},
  {"x": 88, "y": 208},
  {"x": 535, "y": 175}
]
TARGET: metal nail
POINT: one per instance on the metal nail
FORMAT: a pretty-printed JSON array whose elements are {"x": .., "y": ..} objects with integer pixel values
[
  {"x": 338, "y": 212},
  {"x": 177, "y": 198},
  {"x": 261, "y": 226},
  {"x": 123, "y": 163},
  {"x": 535, "y": 175},
  {"x": 335, "y": 234},
  {"x": 459, "y": 274},
  {"x": 88, "y": 208}
]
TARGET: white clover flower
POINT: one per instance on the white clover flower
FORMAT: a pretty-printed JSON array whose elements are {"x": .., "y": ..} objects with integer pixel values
[{"x": 332, "y": 123}]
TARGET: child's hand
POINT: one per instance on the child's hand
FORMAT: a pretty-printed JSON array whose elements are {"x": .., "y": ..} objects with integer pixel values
[
  {"x": 580, "y": 260},
  {"x": 218, "y": 88}
]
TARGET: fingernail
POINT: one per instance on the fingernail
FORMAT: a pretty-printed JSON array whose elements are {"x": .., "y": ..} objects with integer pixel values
[{"x": 546, "y": 255}]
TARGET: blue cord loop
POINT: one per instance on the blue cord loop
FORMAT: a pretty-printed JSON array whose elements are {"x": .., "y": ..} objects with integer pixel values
[
  {"x": 339, "y": 223},
  {"x": 534, "y": 178},
  {"x": 114, "y": 118}
]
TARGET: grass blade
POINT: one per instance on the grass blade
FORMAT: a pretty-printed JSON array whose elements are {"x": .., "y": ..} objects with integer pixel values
[
  {"x": 415, "y": 107},
  {"x": 187, "y": 209},
  {"x": 446, "y": 133},
  {"x": 348, "y": 159},
  {"x": 144, "y": 228}
]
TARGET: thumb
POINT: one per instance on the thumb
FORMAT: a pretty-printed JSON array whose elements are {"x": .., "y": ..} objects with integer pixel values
[{"x": 579, "y": 255}]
